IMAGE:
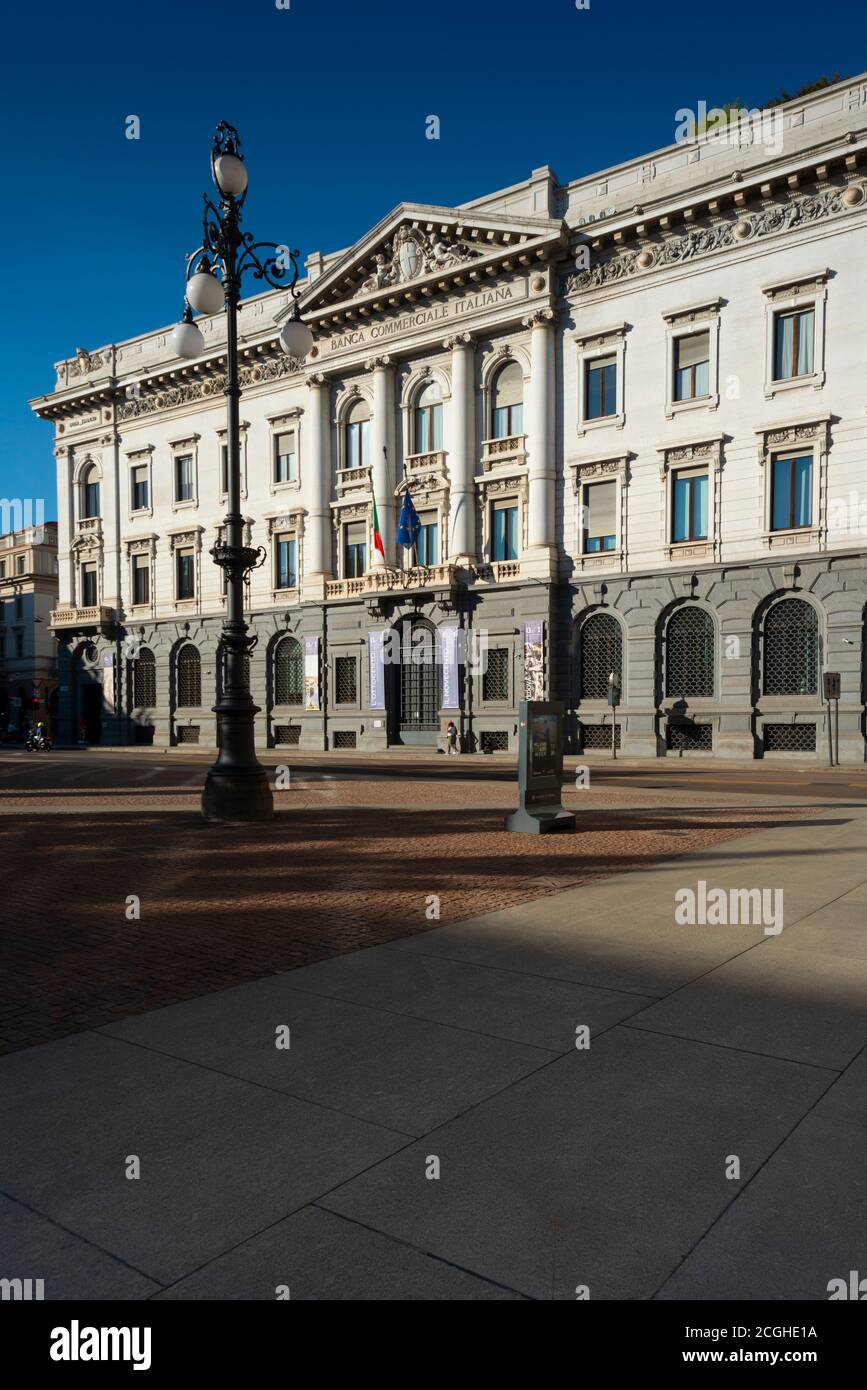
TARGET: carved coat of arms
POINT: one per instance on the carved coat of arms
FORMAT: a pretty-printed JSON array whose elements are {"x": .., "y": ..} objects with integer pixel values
[{"x": 412, "y": 254}]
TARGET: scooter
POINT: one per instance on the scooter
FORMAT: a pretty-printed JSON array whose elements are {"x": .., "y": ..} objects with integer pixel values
[{"x": 38, "y": 743}]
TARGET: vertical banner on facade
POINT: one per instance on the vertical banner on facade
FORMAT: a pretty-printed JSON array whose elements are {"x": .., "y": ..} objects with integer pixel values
[
  {"x": 449, "y": 657},
  {"x": 376, "y": 666},
  {"x": 311, "y": 673},
  {"x": 534, "y": 660}
]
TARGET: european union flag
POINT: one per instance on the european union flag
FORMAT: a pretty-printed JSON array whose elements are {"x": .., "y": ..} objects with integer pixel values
[{"x": 409, "y": 525}]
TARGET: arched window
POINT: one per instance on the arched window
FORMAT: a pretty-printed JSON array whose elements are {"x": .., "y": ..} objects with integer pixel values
[
  {"x": 791, "y": 654},
  {"x": 428, "y": 430},
  {"x": 600, "y": 653},
  {"x": 189, "y": 677},
  {"x": 288, "y": 672},
  {"x": 144, "y": 679},
  {"x": 90, "y": 492},
  {"x": 689, "y": 653},
  {"x": 507, "y": 402},
  {"x": 357, "y": 436}
]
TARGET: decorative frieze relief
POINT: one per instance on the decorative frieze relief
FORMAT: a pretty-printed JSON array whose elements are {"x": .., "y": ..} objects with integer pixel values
[
  {"x": 697, "y": 242},
  {"x": 412, "y": 254},
  {"x": 190, "y": 392}
]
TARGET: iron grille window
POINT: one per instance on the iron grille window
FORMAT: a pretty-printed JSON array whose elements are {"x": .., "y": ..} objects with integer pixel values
[
  {"x": 601, "y": 652},
  {"x": 689, "y": 653},
  {"x": 683, "y": 736},
  {"x": 419, "y": 678},
  {"x": 188, "y": 734},
  {"x": 791, "y": 654},
  {"x": 345, "y": 680},
  {"x": 288, "y": 672},
  {"x": 495, "y": 741},
  {"x": 599, "y": 736},
  {"x": 790, "y": 738},
  {"x": 288, "y": 734},
  {"x": 495, "y": 680},
  {"x": 344, "y": 738},
  {"x": 189, "y": 677},
  {"x": 144, "y": 679}
]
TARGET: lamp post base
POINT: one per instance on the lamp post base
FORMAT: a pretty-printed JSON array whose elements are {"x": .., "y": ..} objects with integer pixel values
[{"x": 234, "y": 797}]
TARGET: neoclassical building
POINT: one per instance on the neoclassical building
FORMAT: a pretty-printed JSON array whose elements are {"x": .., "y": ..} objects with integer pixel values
[{"x": 630, "y": 412}]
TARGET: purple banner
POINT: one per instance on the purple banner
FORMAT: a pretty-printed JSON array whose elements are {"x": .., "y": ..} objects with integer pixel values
[
  {"x": 449, "y": 649},
  {"x": 376, "y": 666},
  {"x": 311, "y": 673}
]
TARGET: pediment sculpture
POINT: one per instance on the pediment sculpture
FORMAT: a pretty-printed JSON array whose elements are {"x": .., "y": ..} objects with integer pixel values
[{"x": 412, "y": 254}]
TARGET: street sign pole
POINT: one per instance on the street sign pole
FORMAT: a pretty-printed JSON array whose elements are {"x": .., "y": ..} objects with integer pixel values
[{"x": 831, "y": 682}]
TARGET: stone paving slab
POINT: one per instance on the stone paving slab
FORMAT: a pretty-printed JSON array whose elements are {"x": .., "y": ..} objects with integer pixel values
[
  {"x": 318, "y": 1255},
  {"x": 220, "y": 1158},
  {"x": 605, "y": 1168},
  {"x": 801, "y": 1005},
  {"x": 32, "y": 1247},
  {"x": 799, "y": 1224},
  {"x": 501, "y": 1003},
  {"x": 404, "y": 1073}
]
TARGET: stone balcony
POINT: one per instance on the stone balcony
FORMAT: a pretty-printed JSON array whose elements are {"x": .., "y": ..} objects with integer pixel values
[
  {"x": 512, "y": 449},
  {"x": 81, "y": 617},
  {"x": 352, "y": 480},
  {"x": 432, "y": 462},
  {"x": 385, "y": 581}
]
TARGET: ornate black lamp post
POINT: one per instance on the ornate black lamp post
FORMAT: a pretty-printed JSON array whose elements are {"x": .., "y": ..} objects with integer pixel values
[{"x": 237, "y": 787}]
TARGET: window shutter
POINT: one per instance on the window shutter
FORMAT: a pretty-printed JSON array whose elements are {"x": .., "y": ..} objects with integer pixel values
[
  {"x": 693, "y": 349},
  {"x": 601, "y": 509}
]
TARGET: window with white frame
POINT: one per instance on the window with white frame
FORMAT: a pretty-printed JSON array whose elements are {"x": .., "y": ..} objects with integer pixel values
[
  {"x": 795, "y": 334},
  {"x": 184, "y": 481},
  {"x": 356, "y": 436},
  {"x": 692, "y": 358},
  {"x": 691, "y": 366},
  {"x": 599, "y": 517},
  {"x": 507, "y": 402},
  {"x": 427, "y": 545},
  {"x": 185, "y": 574},
  {"x": 601, "y": 364},
  {"x": 504, "y": 530},
  {"x": 89, "y": 586},
  {"x": 428, "y": 420},
  {"x": 285, "y": 568},
  {"x": 90, "y": 487},
  {"x": 791, "y": 491},
  {"x": 354, "y": 549},
  {"x": 140, "y": 487},
  {"x": 285, "y": 457},
  {"x": 141, "y": 580},
  {"x": 689, "y": 504}
]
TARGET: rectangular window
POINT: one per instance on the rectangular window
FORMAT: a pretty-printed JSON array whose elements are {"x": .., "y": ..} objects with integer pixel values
[
  {"x": 141, "y": 579},
  {"x": 285, "y": 458},
  {"x": 358, "y": 444},
  {"x": 184, "y": 478},
  {"x": 601, "y": 384},
  {"x": 428, "y": 539},
  {"x": 428, "y": 429},
  {"x": 508, "y": 420},
  {"x": 345, "y": 681},
  {"x": 504, "y": 531},
  {"x": 19, "y": 607},
  {"x": 692, "y": 366},
  {"x": 355, "y": 550},
  {"x": 285, "y": 576},
  {"x": 2, "y": 569},
  {"x": 495, "y": 678},
  {"x": 140, "y": 489},
  {"x": 793, "y": 343},
  {"x": 186, "y": 574},
  {"x": 88, "y": 586},
  {"x": 689, "y": 507},
  {"x": 791, "y": 492},
  {"x": 600, "y": 520},
  {"x": 19, "y": 564}
]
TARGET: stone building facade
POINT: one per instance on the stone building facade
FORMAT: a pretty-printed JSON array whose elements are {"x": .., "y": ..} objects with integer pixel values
[
  {"x": 630, "y": 412},
  {"x": 28, "y": 597}
]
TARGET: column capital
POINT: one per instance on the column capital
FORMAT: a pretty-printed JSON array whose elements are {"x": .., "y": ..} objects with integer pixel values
[
  {"x": 317, "y": 379},
  {"x": 378, "y": 363},
  {"x": 540, "y": 318},
  {"x": 458, "y": 340}
]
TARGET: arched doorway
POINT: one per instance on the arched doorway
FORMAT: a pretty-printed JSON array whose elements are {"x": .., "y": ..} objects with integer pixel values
[{"x": 415, "y": 685}]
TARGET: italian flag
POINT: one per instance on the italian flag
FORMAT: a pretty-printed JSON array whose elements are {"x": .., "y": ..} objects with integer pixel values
[{"x": 377, "y": 538}]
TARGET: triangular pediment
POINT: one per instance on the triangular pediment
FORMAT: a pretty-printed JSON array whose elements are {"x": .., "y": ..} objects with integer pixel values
[{"x": 418, "y": 249}]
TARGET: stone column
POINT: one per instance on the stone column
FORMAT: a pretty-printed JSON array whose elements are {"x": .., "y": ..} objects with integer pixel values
[
  {"x": 540, "y": 558},
  {"x": 382, "y": 451},
  {"x": 316, "y": 476},
  {"x": 461, "y": 520}
]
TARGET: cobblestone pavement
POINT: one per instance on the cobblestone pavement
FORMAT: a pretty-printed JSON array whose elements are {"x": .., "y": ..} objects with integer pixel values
[{"x": 343, "y": 865}]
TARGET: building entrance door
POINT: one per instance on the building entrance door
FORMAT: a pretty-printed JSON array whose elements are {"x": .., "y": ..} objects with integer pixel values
[{"x": 418, "y": 685}]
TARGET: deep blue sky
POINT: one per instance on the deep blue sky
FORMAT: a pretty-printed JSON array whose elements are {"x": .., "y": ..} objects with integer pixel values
[{"x": 330, "y": 97}]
